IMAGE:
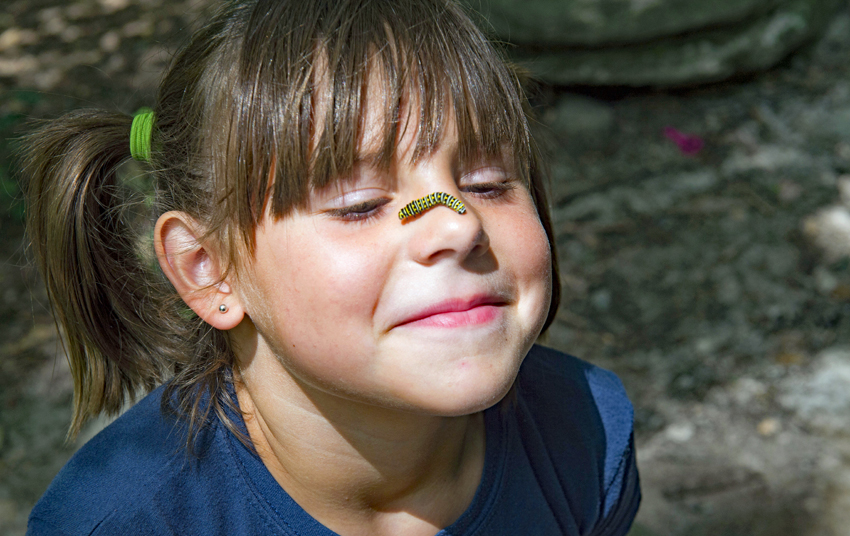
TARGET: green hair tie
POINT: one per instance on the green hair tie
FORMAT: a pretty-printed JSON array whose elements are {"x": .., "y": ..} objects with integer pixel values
[{"x": 140, "y": 135}]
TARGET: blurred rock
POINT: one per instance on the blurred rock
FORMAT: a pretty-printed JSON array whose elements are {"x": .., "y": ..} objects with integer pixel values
[
  {"x": 114, "y": 5},
  {"x": 110, "y": 41},
  {"x": 652, "y": 42},
  {"x": 829, "y": 229},
  {"x": 581, "y": 120},
  {"x": 680, "y": 432},
  {"x": 821, "y": 398},
  {"x": 769, "y": 427},
  {"x": 607, "y": 22},
  {"x": 14, "y": 37}
]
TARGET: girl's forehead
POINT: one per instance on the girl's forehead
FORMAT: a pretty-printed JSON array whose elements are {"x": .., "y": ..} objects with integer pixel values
[{"x": 403, "y": 121}]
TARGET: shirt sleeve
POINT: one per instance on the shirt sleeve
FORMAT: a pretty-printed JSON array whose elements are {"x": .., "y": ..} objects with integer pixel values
[
  {"x": 622, "y": 498},
  {"x": 621, "y": 492}
]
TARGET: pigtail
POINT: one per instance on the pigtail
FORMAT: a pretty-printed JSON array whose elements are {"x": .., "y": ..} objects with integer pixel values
[{"x": 101, "y": 293}]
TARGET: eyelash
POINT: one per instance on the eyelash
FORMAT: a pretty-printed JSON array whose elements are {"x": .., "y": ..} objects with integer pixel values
[
  {"x": 490, "y": 190},
  {"x": 360, "y": 212},
  {"x": 373, "y": 208}
]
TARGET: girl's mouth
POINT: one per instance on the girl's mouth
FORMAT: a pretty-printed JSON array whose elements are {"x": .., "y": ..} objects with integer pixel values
[{"x": 472, "y": 311}]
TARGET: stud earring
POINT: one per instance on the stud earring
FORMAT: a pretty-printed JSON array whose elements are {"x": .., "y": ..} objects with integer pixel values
[{"x": 222, "y": 308}]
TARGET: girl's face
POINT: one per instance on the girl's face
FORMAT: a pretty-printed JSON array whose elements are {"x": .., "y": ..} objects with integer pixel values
[{"x": 431, "y": 315}]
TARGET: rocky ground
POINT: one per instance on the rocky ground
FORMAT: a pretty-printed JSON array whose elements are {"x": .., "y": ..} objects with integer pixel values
[
  {"x": 704, "y": 249},
  {"x": 710, "y": 272}
]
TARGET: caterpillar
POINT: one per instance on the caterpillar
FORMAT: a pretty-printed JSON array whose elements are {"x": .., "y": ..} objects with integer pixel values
[{"x": 418, "y": 206}]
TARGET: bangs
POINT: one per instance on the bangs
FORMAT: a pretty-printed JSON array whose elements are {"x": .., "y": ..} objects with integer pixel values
[
  {"x": 306, "y": 69},
  {"x": 423, "y": 68}
]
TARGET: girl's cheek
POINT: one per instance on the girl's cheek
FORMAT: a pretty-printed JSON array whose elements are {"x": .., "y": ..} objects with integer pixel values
[
  {"x": 533, "y": 252},
  {"x": 348, "y": 274}
]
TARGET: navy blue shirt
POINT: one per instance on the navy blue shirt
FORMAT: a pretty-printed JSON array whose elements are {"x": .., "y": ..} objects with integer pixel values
[{"x": 559, "y": 461}]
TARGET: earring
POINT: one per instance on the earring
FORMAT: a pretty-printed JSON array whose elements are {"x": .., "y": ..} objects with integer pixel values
[{"x": 222, "y": 308}]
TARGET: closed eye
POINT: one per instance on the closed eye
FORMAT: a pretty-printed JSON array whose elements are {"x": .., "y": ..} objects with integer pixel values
[
  {"x": 488, "y": 183},
  {"x": 489, "y": 190},
  {"x": 359, "y": 211}
]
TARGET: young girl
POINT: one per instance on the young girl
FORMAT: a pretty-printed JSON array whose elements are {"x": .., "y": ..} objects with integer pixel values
[{"x": 353, "y": 259}]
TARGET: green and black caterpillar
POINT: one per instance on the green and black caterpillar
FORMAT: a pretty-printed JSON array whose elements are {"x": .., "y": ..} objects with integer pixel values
[{"x": 418, "y": 206}]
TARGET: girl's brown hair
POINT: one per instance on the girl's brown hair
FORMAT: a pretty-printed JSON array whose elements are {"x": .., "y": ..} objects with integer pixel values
[{"x": 269, "y": 88}]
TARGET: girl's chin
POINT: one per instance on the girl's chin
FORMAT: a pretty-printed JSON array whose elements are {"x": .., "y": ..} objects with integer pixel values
[{"x": 464, "y": 400}]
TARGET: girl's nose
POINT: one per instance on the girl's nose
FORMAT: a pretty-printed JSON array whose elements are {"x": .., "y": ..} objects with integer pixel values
[{"x": 440, "y": 233}]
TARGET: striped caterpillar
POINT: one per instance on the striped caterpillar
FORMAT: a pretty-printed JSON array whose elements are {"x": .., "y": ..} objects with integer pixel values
[{"x": 418, "y": 206}]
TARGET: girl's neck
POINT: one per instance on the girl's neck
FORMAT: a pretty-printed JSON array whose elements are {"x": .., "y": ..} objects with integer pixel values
[{"x": 357, "y": 468}]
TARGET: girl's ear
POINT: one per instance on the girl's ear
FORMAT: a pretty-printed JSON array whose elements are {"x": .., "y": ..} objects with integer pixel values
[{"x": 195, "y": 271}]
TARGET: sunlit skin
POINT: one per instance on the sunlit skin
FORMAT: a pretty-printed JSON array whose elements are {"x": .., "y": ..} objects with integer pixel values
[{"x": 370, "y": 346}]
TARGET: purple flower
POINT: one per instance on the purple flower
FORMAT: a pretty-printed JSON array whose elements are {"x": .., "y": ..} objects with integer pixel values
[{"x": 687, "y": 143}]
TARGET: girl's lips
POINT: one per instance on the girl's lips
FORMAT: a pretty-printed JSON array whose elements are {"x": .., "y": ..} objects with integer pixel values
[
  {"x": 457, "y": 313},
  {"x": 481, "y": 314}
]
